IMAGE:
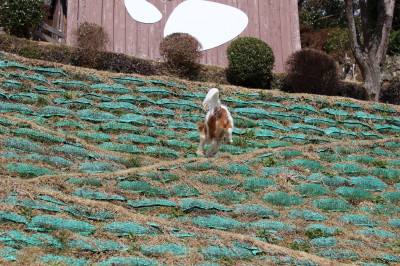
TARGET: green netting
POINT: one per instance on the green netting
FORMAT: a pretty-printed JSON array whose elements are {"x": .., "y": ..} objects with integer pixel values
[
  {"x": 47, "y": 223},
  {"x": 387, "y": 257},
  {"x": 182, "y": 125},
  {"x": 392, "y": 197},
  {"x": 257, "y": 210},
  {"x": 122, "y": 106},
  {"x": 356, "y": 219},
  {"x": 254, "y": 113},
  {"x": 277, "y": 144},
  {"x": 152, "y": 111},
  {"x": 70, "y": 123},
  {"x": 395, "y": 121},
  {"x": 348, "y": 105},
  {"x": 17, "y": 239},
  {"x": 4, "y": 95},
  {"x": 142, "y": 187},
  {"x": 309, "y": 164},
  {"x": 367, "y": 116},
  {"x": 257, "y": 183},
  {"x": 354, "y": 124},
  {"x": 282, "y": 199},
  {"x": 368, "y": 183},
  {"x": 23, "y": 145},
  {"x": 12, "y": 64},
  {"x": 82, "y": 211},
  {"x": 185, "y": 191},
  {"x": 161, "y": 152},
  {"x": 52, "y": 160},
  {"x": 116, "y": 126},
  {"x": 395, "y": 223},
  {"x": 11, "y": 84},
  {"x": 264, "y": 134},
  {"x": 233, "y": 169},
  {"x": 98, "y": 97},
  {"x": 303, "y": 109},
  {"x": 127, "y": 228},
  {"x": 286, "y": 116},
  {"x": 96, "y": 116},
  {"x": 276, "y": 172},
  {"x": 244, "y": 122},
  {"x": 25, "y": 97},
  {"x": 49, "y": 71},
  {"x": 311, "y": 190},
  {"x": 33, "y": 204},
  {"x": 381, "y": 209},
  {"x": 386, "y": 172},
  {"x": 239, "y": 252},
  {"x": 232, "y": 101},
  {"x": 55, "y": 260},
  {"x": 163, "y": 132},
  {"x": 138, "y": 139},
  {"x": 137, "y": 100},
  {"x": 110, "y": 146},
  {"x": 44, "y": 90},
  {"x": 205, "y": 166},
  {"x": 339, "y": 133},
  {"x": 179, "y": 144},
  {"x": 129, "y": 261},
  {"x": 338, "y": 254},
  {"x": 38, "y": 135},
  {"x": 72, "y": 150},
  {"x": 218, "y": 180},
  {"x": 307, "y": 215},
  {"x": 90, "y": 181},
  {"x": 96, "y": 195},
  {"x": 334, "y": 112},
  {"x": 164, "y": 176},
  {"x": 320, "y": 121},
  {"x": 381, "y": 152},
  {"x": 9, "y": 253},
  {"x": 324, "y": 229},
  {"x": 154, "y": 91},
  {"x": 323, "y": 242},
  {"x": 372, "y": 232},
  {"x": 296, "y": 138},
  {"x": 6, "y": 107},
  {"x": 217, "y": 222},
  {"x": 11, "y": 217},
  {"x": 334, "y": 205},
  {"x": 137, "y": 119},
  {"x": 116, "y": 88},
  {"x": 145, "y": 203},
  {"x": 75, "y": 84},
  {"x": 271, "y": 226},
  {"x": 390, "y": 129},
  {"x": 129, "y": 80},
  {"x": 51, "y": 199},
  {"x": 93, "y": 136},
  {"x": 190, "y": 204},
  {"x": 256, "y": 144},
  {"x": 309, "y": 129},
  {"x": 5, "y": 122},
  {"x": 384, "y": 108},
  {"x": 96, "y": 245},
  {"x": 350, "y": 169},
  {"x": 10, "y": 155},
  {"x": 193, "y": 95},
  {"x": 178, "y": 104},
  {"x": 192, "y": 117},
  {"x": 98, "y": 167},
  {"x": 175, "y": 249},
  {"x": 28, "y": 170},
  {"x": 365, "y": 159},
  {"x": 346, "y": 150},
  {"x": 232, "y": 149},
  {"x": 230, "y": 196}
]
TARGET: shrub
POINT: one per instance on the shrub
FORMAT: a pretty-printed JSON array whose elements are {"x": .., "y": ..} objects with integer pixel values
[
  {"x": 390, "y": 94},
  {"x": 352, "y": 90},
  {"x": 394, "y": 43},
  {"x": 250, "y": 63},
  {"x": 338, "y": 44},
  {"x": 312, "y": 71},
  {"x": 90, "y": 39},
  {"x": 181, "y": 53},
  {"x": 21, "y": 17},
  {"x": 30, "y": 51}
]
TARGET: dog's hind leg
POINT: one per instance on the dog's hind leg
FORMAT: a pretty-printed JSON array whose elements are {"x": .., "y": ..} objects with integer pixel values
[
  {"x": 228, "y": 136},
  {"x": 214, "y": 148}
]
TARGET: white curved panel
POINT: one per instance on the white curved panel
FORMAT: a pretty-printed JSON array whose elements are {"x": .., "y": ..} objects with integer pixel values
[
  {"x": 212, "y": 24},
  {"x": 143, "y": 11}
]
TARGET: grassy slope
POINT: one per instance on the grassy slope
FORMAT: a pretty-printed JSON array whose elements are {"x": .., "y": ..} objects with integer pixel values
[{"x": 278, "y": 246}]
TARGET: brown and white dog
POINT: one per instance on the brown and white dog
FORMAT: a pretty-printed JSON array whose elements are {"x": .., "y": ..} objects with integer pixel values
[{"x": 217, "y": 126}]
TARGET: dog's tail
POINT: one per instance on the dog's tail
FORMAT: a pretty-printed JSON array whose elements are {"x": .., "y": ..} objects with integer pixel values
[{"x": 212, "y": 100}]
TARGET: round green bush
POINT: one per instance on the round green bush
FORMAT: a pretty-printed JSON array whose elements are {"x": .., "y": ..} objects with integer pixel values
[
  {"x": 21, "y": 17},
  {"x": 250, "y": 63}
]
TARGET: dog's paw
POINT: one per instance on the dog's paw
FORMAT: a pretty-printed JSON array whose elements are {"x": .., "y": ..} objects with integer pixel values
[
  {"x": 210, "y": 154},
  {"x": 199, "y": 153}
]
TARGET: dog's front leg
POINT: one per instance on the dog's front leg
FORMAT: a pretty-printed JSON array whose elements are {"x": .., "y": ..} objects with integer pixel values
[
  {"x": 200, "y": 149},
  {"x": 214, "y": 148}
]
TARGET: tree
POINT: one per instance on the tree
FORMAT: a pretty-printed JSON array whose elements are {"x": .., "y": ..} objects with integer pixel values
[
  {"x": 369, "y": 41},
  {"x": 322, "y": 14}
]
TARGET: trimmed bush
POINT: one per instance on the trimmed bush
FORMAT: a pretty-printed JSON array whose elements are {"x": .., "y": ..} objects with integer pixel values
[
  {"x": 391, "y": 94},
  {"x": 181, "y": 53},
  {"x": 312, "y": 71},
  {"x": 250, "y": 63},
  {"x": 21, "y": 17},
  {"x": 351, "y": 89}
]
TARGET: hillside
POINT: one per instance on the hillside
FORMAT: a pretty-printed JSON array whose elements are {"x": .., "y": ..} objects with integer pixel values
[{"x": 99, "y": 168}]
